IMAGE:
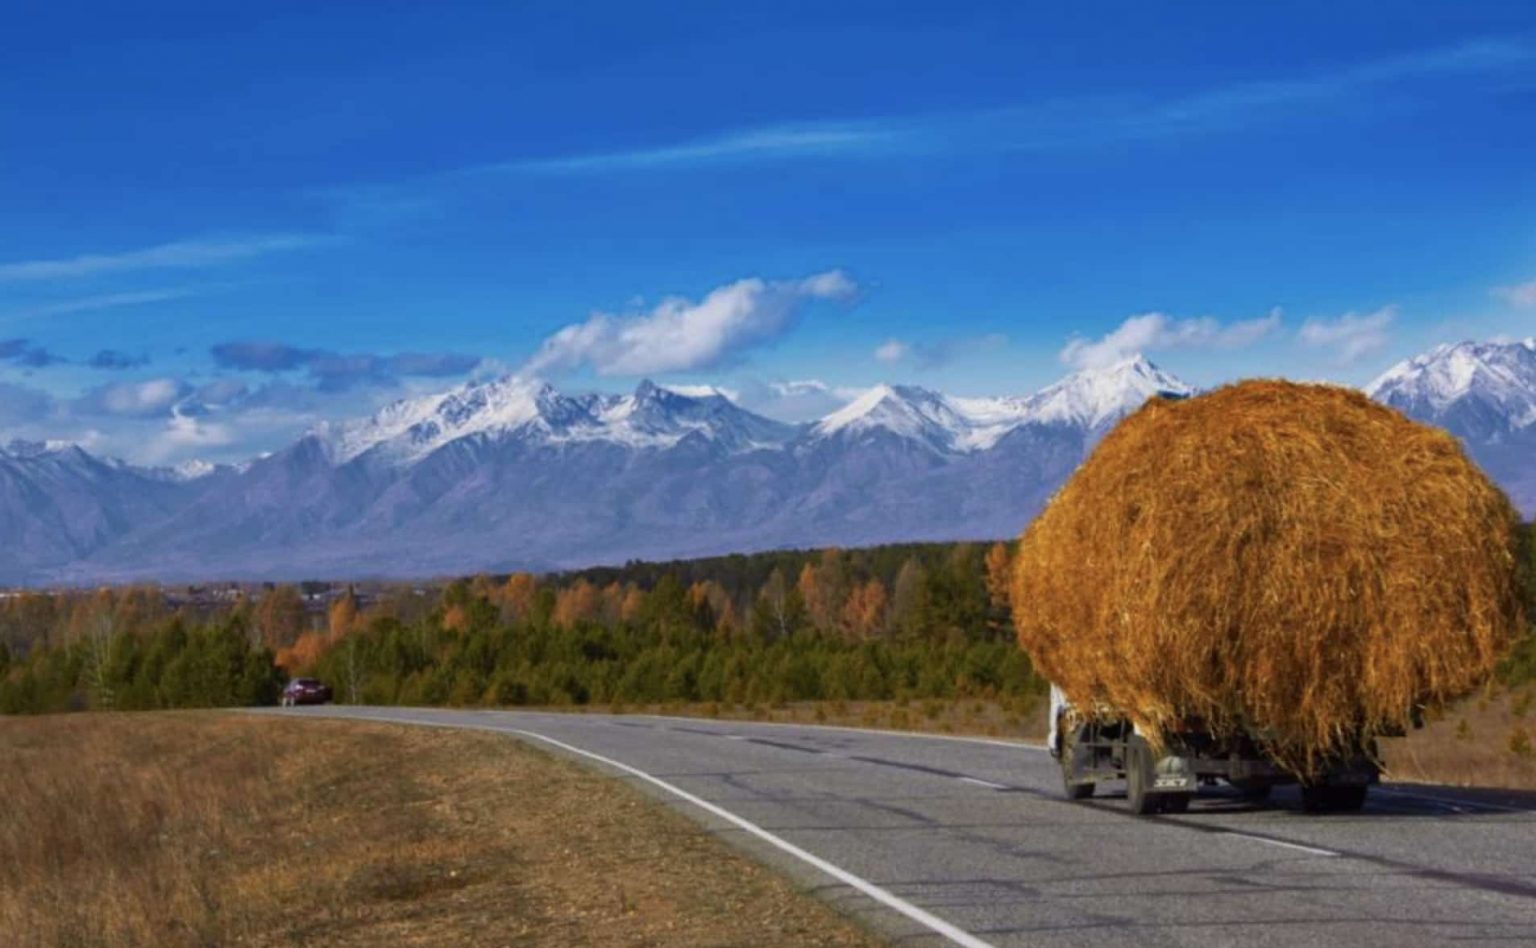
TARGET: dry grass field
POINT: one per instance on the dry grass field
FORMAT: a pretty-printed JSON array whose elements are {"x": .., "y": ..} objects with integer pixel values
[
  {"x": 1486, "y": 741},
  {"x": 208, "y": 828}
]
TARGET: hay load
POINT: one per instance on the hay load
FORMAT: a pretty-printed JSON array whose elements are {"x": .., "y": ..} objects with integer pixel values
[{"x": 1293, "y": 560}]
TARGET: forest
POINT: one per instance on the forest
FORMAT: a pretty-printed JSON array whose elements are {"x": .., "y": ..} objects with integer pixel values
[
  {"x": 897, "y": 622},
  {"x": 900, "y": 622}
]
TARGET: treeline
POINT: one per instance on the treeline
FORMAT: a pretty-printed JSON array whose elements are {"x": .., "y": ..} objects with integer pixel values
[
  {"x": 214, "y": 665},
  {"x": 906, "y": 621},
  {"x": 923, "y": 621}
]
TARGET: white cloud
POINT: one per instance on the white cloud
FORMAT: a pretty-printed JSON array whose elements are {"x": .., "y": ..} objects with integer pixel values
[
  {"x": 136, "y": 399},
  {"x": 795, "y": 400},
  {"x": 1521, "y": 294},
  {"x": 183, "y": 434},
  {"x": 1353, "y": 335},
  {"x": 704, "y": 391},
  {"x": 798, "y": 387},
  {"x": 681, "y": 335},
  {"x": 1152, "y": 331},
  {"x": 175, "y": 255},
  {"x": 892, "y": 350}
]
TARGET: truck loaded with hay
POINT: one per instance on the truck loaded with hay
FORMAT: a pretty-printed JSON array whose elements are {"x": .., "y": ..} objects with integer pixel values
[{"x": 1254, "y": 584}]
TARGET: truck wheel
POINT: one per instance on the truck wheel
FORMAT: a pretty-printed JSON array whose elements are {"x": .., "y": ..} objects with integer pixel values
[
  {"x": 1326, "y": 799},
  {"x": 1075, "y": 791},
  {"x": 1138, "y": 778},
  {"x": 1067, "y": 758},
  {"x": 1255, "y": 791},
  {"x": 1349, "y": 799}
]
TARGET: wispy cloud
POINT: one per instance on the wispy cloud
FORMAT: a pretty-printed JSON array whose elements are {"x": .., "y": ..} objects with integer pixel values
[
  {"x": 679, "y": 334},
  {"x": 1150, "y": 332},
  {"x": 796, "y": 400},
  {"x": 1352, "y": 336},
  {"x": 785, "y": 141},
  {"x": 101, "y": 301},
  {"x": 181, "y": 254},
  {"x": 1520, "y": 294},
  {"x": 927, "y": 355},
  {"x": 1038, "y": 126}
]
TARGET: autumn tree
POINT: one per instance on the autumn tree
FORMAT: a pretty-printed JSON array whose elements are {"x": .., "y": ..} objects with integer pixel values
[
  {"x": 341, "y": 619},
  {"x": 578, "y": 602},
  {"x": 279, "y": 617},
  {"x": 517, "y": 596},
  {"x": 864, "y": 611}
]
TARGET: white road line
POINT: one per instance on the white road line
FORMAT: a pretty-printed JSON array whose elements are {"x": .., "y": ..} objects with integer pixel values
[
  {"x": 734, "y": 737},
  {"x": 1280, "y": 842},
  {"x": 928, "y": 920},
  {"x": 984, "y": 783}
]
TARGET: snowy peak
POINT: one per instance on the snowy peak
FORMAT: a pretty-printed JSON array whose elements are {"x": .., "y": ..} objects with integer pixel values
[
  {"x": 412, "y": 428},
  {"x": 652, "y": 416},
  {"x": 1485, "y": 386},
  {"x": 1094, "y": 398},
  {"x": 904, "y": 410},
  {"x": 1089, "y": 400}
]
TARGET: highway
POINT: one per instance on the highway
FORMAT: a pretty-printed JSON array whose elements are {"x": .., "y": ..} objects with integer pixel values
[{"x": 935, "y": 840}]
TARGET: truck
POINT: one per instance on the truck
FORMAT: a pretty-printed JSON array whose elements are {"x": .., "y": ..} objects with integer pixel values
[{"x": 1103, "y": 745}]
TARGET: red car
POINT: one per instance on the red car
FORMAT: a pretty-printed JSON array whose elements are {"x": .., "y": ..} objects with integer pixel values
[{"x": 305, "y": 691}]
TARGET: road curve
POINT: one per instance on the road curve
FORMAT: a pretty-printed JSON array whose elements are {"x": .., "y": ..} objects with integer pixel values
[{"x": 935, "y": 840}]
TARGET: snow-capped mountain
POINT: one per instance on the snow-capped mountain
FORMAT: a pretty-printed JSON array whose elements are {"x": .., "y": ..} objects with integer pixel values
[
  {"x": 1481, "y": 391},
  {"x": 1091, "y": 400},
  {"x": 905, "y": 411},
  {"x": 511, "y": 407},
  {"x": 58, "y": 503},
  {"x": 1096, "y": 398},
  {"x": 513, "y": 474}
]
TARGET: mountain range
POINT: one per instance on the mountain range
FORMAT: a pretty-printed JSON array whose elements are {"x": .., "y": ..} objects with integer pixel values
[{"x": 513, "y": 474}]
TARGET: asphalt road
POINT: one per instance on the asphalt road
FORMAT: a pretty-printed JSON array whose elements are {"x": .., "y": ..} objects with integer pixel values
[{"x": 940, "y": 840}]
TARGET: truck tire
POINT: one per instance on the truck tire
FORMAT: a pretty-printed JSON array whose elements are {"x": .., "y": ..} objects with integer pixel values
[
  {"x": 1139, "y": 777},
  {"x": 1326, "y": 799},
  {"x": 1067, "y": 757},
  {"x": 1253, "y": 791}
]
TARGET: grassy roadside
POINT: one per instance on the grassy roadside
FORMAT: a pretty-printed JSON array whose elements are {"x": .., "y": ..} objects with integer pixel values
[
  {"x": 206, "y": 828},
  {"x": 1488, "y": 740}
]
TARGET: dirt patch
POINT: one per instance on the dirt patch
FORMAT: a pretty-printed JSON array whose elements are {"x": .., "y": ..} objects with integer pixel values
[{"x": 209, "y": 828}]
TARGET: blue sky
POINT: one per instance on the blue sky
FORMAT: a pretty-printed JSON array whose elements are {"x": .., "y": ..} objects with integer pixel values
[{"x": 224, "y": 223}]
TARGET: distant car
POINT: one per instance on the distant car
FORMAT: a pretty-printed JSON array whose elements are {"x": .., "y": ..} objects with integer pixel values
[{"x": 306, "y": 691}]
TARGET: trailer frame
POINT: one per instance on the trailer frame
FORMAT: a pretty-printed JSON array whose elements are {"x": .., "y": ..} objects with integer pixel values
[{"x": 1101, "y": 748}]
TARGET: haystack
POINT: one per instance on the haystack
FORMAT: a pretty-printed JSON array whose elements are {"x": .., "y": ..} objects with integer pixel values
[{"x": 1292, "y": 560}]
